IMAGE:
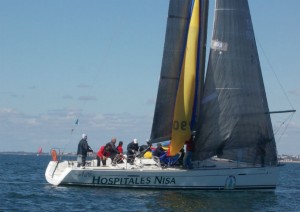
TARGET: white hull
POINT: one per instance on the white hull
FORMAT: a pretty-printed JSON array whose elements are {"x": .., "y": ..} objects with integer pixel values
[{"x": 150, "y": 175}]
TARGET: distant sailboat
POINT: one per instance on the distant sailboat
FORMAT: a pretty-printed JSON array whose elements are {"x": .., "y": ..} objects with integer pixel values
[
  {"x": 40, "y": 151},
  {"x": 226, "y": 106}
]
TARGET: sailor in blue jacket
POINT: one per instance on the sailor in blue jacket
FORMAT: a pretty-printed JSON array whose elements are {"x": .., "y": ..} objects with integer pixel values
[
  {"x": 159, "y": 151},
  {"x": 132, "y": 149},
  {"x": 83, "y": 149}
]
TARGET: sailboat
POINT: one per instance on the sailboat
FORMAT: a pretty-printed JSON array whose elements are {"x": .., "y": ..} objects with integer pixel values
[
  {"x": 40, "y": 151},
  {"x": 223, "y": 109}
]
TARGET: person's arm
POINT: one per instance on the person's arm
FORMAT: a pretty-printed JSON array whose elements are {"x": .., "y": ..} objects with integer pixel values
[
  {"x": 115, "y": 150},
  {"x": 100, "y": 152}
]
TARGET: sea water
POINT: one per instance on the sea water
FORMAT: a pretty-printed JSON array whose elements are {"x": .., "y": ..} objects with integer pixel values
[{"x": 24, "y": 188}]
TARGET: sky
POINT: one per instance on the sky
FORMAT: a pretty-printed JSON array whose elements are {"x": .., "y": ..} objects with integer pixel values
[{"x": 99, "y": 61}]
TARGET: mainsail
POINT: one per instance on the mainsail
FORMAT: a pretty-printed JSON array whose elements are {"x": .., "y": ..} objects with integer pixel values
[
  {"x": 230, "y": 114},
  {"x": 234, "y": 116}
]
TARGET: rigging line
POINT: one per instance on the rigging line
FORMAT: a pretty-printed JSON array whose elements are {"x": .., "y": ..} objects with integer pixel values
[
  {"x": 283, "y": 132},
  {"x": 286, "y": 126},
  {"x": 273, "y": 70},
  {"x": 66, "y": 145},
  {"x": 104, "y": 59},
  {"x": 107, "y": 52},
  {"x": 281, "y": 123},
  {"x": 95, "y": 78},
  {"x": 279, "y": 127}
]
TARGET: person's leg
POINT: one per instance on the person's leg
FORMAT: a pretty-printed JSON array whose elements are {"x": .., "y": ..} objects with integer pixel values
[
  {"x": 129, "y": 158},
  {"x": 103, "y": 162},
  {"x": 185, "y": 160},
  {"x": 83, "y": 160},
  {"x": 189, "y": 160},
  {"x": 98, "y": 161},
  {"x": 79, "y": 160}
]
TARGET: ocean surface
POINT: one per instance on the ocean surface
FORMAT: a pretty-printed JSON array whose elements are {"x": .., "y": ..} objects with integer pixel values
[{"x": 24, "y": 188}]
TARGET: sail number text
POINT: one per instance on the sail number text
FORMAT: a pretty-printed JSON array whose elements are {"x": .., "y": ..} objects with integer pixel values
[{"x": 180, "y": 125}]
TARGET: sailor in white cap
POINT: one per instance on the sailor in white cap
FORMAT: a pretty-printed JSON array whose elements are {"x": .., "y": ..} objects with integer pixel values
[
  {"x": 132, "y": 149},
  {"x": 83, "y": 149}
]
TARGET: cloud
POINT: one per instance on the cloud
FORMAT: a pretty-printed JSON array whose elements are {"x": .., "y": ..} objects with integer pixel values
[
  {"x": 295, "y": 92},
  {"x": 57, "y": 128},
  {"x": 7, "y": 111},
  {"x": 87, "y": 98},
  {"x": 67, "y": 97},
  {"x": 12, "y": 95},
  {"x": 83, "y": 86},
  {"x": 33, "y": 87},
  {"x": 151, "y": 101}
]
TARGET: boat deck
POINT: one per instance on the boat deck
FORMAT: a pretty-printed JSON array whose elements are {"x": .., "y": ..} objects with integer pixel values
[{"x": 150, "y": 164}]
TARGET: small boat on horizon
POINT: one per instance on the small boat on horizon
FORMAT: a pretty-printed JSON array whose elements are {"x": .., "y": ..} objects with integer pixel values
[{"x": 40, "y": 151}]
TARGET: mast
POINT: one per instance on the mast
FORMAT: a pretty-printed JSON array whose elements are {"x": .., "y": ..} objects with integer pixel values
[{"x": 201, "y": 62}]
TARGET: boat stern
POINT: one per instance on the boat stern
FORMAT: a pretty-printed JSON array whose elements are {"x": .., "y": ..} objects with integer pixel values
[{"x": 56, "y": 171}]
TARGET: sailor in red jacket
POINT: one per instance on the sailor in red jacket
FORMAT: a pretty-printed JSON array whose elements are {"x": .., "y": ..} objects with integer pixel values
[
  {"x": 102, "y": 155},
  {"x": 120, "y": 149}
]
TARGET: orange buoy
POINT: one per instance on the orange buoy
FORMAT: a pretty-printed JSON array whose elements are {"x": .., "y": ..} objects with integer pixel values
[{"x": 54, "y": 155}]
